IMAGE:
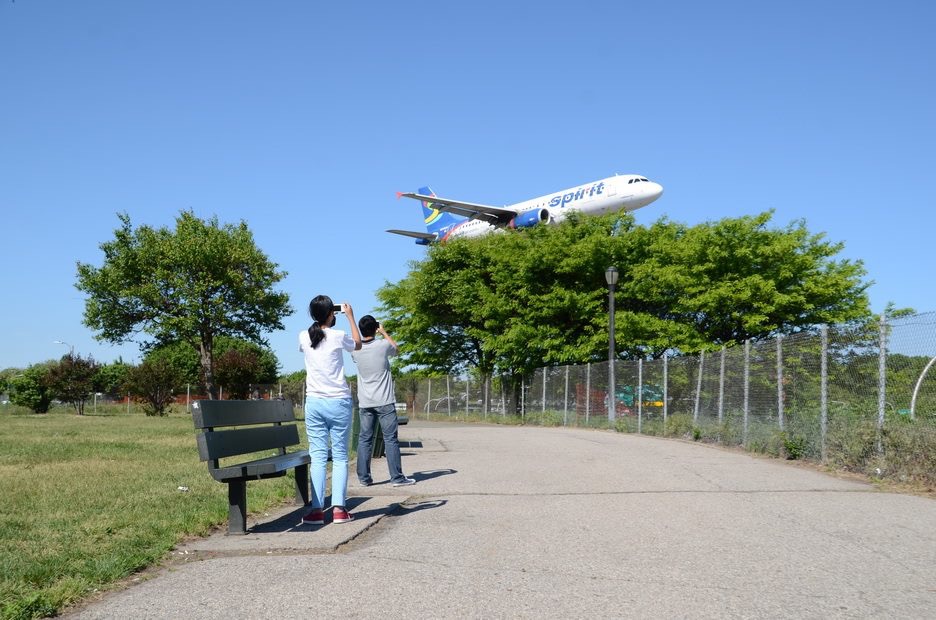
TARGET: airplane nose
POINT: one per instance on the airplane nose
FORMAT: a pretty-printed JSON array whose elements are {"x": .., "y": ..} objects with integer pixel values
[{"x": 656, "y": 190}]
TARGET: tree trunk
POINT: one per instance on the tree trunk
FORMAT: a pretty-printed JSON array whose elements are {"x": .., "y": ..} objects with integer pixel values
[{"x": 207, "y": 364}]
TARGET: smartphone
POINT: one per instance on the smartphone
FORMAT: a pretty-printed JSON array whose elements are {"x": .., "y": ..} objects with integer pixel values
[{"x": 336, "y": 308}]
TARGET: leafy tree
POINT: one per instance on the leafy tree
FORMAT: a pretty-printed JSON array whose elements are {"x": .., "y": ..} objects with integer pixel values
[
  {"x": 31, "y": 388},
  {"x": 737, "y": 279},
  {"x": 154, "y": 383},
  {"x": 237, "y": 361},
  {"x": 293, "y": 386},
  {"x": 111, "y": 378},
  {"x": 192, "y": 284},
  {"x": 237, "y": 370},
  {"x": 183, "y": 358},
  {"x": 72, "y": 380},
  {"x": 519, "y": 301},
  {"x": 6, "y": 375}
]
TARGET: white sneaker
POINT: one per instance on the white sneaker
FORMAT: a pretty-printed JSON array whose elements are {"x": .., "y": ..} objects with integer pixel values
[{"x": 405, "y": 482}]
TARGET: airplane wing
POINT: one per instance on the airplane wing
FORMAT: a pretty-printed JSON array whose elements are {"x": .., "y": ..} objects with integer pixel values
[
  {"x": 414, "y": 234},
  {"x": 491, "y": 215}
]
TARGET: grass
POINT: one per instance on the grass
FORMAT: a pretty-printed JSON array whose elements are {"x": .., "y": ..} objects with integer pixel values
[{"x": 89, "y": 500}]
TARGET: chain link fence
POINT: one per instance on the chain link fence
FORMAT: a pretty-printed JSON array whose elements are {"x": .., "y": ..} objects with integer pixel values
[{"x": 857, "y": 398}]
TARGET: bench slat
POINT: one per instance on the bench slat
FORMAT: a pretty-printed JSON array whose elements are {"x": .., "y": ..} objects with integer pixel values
[
  {"x": 261, "y": 468},
  {"x": 220, "y": 444},
  {"x": 211, "y": 413}
]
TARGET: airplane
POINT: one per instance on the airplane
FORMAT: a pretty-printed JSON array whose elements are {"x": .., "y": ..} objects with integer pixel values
[{"x": 451, "y": 219}]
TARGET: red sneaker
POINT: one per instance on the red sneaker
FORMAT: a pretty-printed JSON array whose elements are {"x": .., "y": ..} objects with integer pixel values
[
  {"x": 316, "y": 517},
  {"x": 340, "y": 515}
]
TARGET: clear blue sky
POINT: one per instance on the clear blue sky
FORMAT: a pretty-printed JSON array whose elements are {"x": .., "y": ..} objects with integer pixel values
[{"x": 304, "y": 118}]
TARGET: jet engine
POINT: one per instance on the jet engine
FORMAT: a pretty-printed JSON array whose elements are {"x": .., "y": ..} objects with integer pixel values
[{"x": 530, "y": 218}]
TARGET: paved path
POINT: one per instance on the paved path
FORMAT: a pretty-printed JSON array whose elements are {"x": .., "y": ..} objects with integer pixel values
[{"x": 510, "y": 522}]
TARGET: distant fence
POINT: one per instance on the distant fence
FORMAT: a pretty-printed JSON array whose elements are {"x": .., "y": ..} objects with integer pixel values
[{"x": 862, "y": 399}]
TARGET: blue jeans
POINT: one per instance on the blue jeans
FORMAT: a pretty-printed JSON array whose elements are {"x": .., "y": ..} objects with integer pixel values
[
  {"x": 328, "y": 418},
  {"x": 387, "y": 417}
]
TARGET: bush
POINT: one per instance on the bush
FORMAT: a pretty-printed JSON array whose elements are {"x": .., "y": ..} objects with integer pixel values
[
  {"x": 909, "y": 450},
  {"x": 680, "y": 425},
  {"x": 32, "y": 388},
  {"x": 794, "y": 446}
]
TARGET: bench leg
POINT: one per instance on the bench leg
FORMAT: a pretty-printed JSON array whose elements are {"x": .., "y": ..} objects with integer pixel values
[
  {"x": 302, "y": 484},
  {"x": 237, "y": 507}
]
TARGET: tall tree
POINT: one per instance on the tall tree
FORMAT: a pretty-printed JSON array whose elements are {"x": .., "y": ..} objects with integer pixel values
[
  {"x": 519, "y": 301},
  {"x": 192, "y": 284},
  {"x": 738, "y": 279}
]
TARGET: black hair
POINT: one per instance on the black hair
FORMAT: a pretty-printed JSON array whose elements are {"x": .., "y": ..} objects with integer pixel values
[
  {"x": 320, "y": 307},
  {"x": 368, "y": 326}
]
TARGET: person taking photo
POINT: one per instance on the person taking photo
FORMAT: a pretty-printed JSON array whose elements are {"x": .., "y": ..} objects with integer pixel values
[{"x": 377, "y": 402}]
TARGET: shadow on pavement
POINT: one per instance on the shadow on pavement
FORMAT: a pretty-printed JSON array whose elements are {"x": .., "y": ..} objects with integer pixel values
[
  {"x": 284, "y": 523},
  {"x": 419, "y": 476}
]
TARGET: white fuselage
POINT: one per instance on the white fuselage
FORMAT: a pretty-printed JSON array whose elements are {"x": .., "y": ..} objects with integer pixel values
[{"x": 625, "y": 192}]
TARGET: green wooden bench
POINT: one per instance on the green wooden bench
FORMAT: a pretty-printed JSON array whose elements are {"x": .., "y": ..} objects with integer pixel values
[{"x": 241, "y": 428}]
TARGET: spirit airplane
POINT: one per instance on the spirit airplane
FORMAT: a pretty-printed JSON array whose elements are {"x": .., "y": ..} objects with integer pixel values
[{"x": 451, "y": 219}]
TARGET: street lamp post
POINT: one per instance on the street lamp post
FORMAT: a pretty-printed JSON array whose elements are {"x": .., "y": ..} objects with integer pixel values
[
  {"x": 71, "y": 348},
  {"x": 611, "y": 276}
]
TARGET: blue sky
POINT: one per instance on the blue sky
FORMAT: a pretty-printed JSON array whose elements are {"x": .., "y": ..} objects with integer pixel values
[{"x": 303, "y": 119}]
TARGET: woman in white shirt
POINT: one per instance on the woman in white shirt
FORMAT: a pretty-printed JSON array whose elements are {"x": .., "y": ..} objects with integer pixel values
[{"x": 328, "y": 408}]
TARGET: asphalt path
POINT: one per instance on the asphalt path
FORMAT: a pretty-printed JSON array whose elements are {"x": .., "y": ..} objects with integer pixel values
[{"x": 528, "y": 522}]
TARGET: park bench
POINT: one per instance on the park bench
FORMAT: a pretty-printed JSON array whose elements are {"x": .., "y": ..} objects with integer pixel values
[{"x": 239, "y": 428}]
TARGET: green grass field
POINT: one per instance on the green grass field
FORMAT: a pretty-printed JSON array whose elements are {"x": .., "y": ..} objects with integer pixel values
[{"x": 87, "y": 501}]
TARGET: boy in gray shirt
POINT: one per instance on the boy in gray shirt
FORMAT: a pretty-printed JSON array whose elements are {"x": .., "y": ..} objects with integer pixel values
[{"x": 377, "y": 401}]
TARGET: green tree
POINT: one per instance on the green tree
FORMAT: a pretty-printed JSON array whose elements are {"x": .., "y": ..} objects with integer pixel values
[
  {"x": 238, "y": 371},
  {"x": 519, "y": 301},
  {"x": 293, "y": 385},
  {"x": 6, "y": 375},
  {"x": 31, "y": 388},
  {"x": 192, "y": 284},
  {"x": 236, "y": 361},
  {"x": 738, "y": 279},
  {"x": 71, "y": 380},
  {"x": 154, "y": 383},
  {"x": 183, "y": 358},
  {"x": 110, "y": 378}
]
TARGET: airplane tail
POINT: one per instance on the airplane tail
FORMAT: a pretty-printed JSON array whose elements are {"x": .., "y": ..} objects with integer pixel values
[{"x": 436, "y": 220}]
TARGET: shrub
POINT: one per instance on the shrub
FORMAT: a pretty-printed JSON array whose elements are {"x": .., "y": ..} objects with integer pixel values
[
  {"x": 679, "y": 425},
  {"x": 794, "y": 446}
]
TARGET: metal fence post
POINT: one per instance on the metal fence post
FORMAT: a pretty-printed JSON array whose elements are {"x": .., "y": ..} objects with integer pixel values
[
  {"x": 544, "y": 390},
  {"x": 698, "y": 393},
  {"x": 780, "y": 380},
  {"x": 467, "y": 395},
  {"x": 522, "y": 398},
  {"x": 428, "y": 398},
  {"x": 639, "y": 395},
  {"x": 665, "y": 389},
  {"x": 823, "y": 390},
  {"x": 882, "y": 382},
  {"x": 721, "y": 386},
  {"x": 565, "y": 395},
  {"x": 747, "y": 388},
  {"x": 448, "y": 395},
  {"x": 587, "y": 391}
]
